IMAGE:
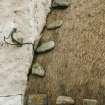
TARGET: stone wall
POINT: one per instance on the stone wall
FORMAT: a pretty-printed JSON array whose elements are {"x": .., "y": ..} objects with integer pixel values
[{"x": 29, "y": 18}]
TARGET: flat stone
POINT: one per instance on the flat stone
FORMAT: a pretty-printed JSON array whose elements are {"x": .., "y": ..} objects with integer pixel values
[
  {"x": 64, "y": 100},
  {"x": 60, "y": 4},
  {"x": 12, "y": 100},
  {"x": 55, "y": 24},
  {"x": 45, "y": 47},
  {"x": 37, "y": 69},
  {"x": 38, "y": 99},
  {"x": 89, "y": 102}
]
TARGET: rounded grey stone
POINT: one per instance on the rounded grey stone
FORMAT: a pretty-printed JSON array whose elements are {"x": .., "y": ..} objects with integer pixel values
[
  {"x": 60, "y": 4},
  {"x": 37, "y": 69},
  {"x": 55, "y": 24},
  {"x": 45, "y": 47},
  {"x": 89, "y": 102},
  {"x": 64, "y": 100}
]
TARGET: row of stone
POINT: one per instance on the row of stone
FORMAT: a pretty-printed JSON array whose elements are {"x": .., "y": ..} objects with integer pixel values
[
  {"x": 37, "y": 68},
  {"x": 60, "y": 4},
  {"x": 42, "y": 99}
]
